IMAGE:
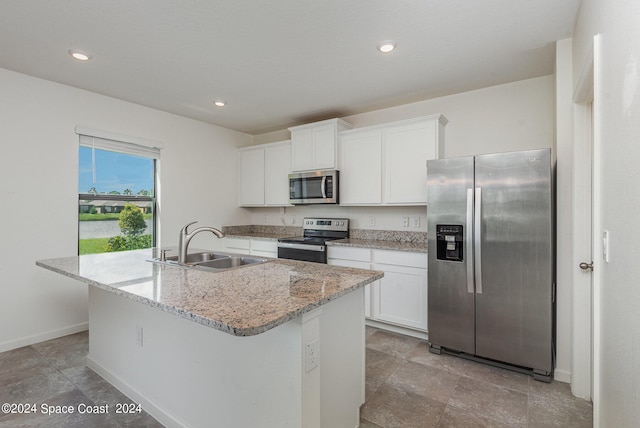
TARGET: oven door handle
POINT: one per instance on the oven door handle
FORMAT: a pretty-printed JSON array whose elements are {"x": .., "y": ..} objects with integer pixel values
[{"x": 307, "y": 247}]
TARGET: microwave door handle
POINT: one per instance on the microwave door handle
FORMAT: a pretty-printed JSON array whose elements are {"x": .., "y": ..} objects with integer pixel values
[{"x": 323, "y": 187}]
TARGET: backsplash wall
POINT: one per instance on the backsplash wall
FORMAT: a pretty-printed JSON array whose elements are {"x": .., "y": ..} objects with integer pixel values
[{"x": 385, "y": 218}]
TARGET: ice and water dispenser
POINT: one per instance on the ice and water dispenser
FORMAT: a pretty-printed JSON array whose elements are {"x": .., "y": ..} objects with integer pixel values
[{"x": 449, "y": 242}]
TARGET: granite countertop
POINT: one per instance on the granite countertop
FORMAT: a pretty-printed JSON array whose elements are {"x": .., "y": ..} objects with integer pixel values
[
  {"x": 364, "y": 238},
  {"x": 243, "y": 301},
  {"x": 379, "y": 244}
]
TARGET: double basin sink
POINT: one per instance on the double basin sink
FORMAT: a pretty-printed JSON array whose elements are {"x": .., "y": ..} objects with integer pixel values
[{"x": 212, "y": 261}]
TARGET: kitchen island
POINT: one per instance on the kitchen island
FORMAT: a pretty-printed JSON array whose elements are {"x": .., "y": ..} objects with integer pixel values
[{"x": 276, "y": 344}]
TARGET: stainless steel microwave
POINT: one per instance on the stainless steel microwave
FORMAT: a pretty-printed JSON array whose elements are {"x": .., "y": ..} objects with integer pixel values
[{"x": 317, "y": 187}]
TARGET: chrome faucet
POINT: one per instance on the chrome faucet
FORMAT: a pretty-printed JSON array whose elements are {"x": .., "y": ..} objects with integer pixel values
[{"x": 185, "y": 238}]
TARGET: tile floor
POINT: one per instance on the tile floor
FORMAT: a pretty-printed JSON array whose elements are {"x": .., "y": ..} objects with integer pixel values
[{"x": 406, "y": 387}]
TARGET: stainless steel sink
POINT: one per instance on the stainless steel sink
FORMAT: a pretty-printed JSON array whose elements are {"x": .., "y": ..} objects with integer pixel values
[
  {"x": 212, "y": 261},
  {"x": 231, "y": 262},
  {"x": 200, "y": 257}
]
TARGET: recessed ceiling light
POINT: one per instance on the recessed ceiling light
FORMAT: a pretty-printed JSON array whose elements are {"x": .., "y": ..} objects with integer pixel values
[
  {"x": 220, "y": 103},
  {"x": 386, "y": 46},
  {"x": 79, "y": 55}
]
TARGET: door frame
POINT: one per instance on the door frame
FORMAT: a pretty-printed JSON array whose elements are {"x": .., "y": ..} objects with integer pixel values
[{"x": 586, "y": 197}]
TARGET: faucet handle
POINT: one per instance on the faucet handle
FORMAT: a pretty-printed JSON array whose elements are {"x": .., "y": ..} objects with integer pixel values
[{"x": 184, "y": 229}]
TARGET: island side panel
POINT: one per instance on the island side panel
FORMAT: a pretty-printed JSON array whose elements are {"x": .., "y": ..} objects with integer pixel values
[
  {"x": 342, "y": 360},
  {"x": 186, "y": 374}
]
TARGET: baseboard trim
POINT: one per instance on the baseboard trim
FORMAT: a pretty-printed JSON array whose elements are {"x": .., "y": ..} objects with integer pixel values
[
  {"x": 397, "y": 329},
  {"x": 147, "y": 404},
  {"x": 562, "y": 375},
  {"x": 41, "y": 337}
]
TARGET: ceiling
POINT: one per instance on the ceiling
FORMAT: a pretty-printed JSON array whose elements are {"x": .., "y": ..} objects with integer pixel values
[{"x": 280, "y": 63}]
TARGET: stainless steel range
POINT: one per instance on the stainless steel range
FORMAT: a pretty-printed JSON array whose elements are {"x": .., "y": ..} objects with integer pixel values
[{"x": 311, "y": 246}]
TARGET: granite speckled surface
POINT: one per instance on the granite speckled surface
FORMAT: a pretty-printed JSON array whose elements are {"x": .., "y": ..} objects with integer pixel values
[
  {"x": 415, "y": 247},
  {"x": 393, "y": 240},
  {"x": 242, "y": 302},
  {"x": 256, "y": 231}
]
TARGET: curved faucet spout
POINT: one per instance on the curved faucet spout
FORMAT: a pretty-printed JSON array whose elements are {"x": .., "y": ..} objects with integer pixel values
[{"x": 186, "y": 236}]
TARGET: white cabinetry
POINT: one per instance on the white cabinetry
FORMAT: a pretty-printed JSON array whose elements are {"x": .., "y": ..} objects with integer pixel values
[
  {"x": 262, "y": 248},
  {"x": 398, "y": 301},
  {"x": 251, "y": 177},
  {"x": 264, "y": 172},
  {"x": 387, "y": 164},
  {"x": 254, "y": 247},
  {"x": 315, "y": 145},
  {"x": 356, "y": 258},
  {"x": 361, "y": 167},
  {"x": 401, "y": 296}
]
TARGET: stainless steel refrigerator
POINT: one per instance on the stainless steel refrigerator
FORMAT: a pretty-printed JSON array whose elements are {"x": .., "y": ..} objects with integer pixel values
[{"x": 491, "y": 271}]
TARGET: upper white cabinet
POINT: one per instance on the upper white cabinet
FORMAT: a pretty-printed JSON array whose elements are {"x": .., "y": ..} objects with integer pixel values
[
  {"x": 264, "y": 174},
  {"x": 251, "y": 176},
  {"x": 361, "y": 167},
  {"x": 387, "y": 164},
  {"x": 315, "y": 145},
  {"x": 277, "y": 166}
]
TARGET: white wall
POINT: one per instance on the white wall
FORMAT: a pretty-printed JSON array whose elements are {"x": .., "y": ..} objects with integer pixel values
[
  {"x": 617, "y": 109},
  {"x": 38, "y": 190}
]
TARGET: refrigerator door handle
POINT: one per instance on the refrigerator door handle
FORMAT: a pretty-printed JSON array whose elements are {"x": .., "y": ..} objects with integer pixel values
[
  {"x": 469, "y": 240},
  {"x": 477, "y": 253}
]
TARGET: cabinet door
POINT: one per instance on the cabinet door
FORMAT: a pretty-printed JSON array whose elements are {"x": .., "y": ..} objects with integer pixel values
[
  {"x": 251, "y": 177},
  {"x": 367, "y": 288},
  {"x": 264, "y": 248},
  {"x": 361, "y": 167},
  {"x": 302, "y": 150},
  {"x": 276, "y": 175},
  {"x": 324, "y": 147},
  {"x": 237, "y": 245},
  {"x": 407, "y": 148},
  {"x": 400, "y": 297}
]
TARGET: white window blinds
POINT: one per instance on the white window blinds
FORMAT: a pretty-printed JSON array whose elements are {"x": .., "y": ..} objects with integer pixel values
[{"x": 119, "y": 143}]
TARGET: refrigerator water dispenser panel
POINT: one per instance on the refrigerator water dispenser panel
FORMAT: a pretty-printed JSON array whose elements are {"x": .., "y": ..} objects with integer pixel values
[{"x": 450, "y": 242}]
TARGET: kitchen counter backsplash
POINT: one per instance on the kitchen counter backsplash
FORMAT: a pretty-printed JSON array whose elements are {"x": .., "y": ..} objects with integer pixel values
[
  {"x": 262, "y": 231},
  {"x": 392, "y": 240},
  {"x": 368, "y": 238},
  {"x": 388, "y": 235}
]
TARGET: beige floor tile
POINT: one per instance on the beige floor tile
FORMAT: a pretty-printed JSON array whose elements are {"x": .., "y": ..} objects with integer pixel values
[
  {"x": 392, "y": 407},
  {"x": 424, "y": 380},
  {"x": 483, "y": 399}
]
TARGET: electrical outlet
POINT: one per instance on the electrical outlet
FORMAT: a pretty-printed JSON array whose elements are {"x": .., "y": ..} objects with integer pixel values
[
  {"x": 415, "y": 222},
  {"x": 139, "y": 336},
  {"x": 405, "y": 221},
  {"x": 312, "y": 355},
  {"x": 372, "y": 221}
]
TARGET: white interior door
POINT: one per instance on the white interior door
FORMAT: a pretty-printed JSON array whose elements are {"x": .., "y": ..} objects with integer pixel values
[
  {"x": 585, "y": 374},
  {"x": 581, "y": 379}
]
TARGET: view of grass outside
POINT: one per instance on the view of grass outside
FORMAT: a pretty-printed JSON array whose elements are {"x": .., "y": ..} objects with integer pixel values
[
  {"x": 115, "y": 201},
  {"x": 101, "y": 245}
]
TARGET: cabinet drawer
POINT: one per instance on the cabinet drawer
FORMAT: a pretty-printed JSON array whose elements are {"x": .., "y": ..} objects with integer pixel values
[
  {"x": 349, "y": 253},
  {"x": 400, "y": 258},
  {"x": 238, "y": 244},
  {"x": 268, "y": 246}
]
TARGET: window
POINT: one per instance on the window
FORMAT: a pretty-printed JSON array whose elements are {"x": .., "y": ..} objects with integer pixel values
[{"x": 116, "y": 194}]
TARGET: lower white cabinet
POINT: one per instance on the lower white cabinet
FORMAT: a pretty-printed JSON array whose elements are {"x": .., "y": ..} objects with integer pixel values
[
  {"x": 254, "y": 247},
  {"x": 264, "y": 248},
  {"x": 355, "y": 258},
  {"x": 398, "y": 301}
]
